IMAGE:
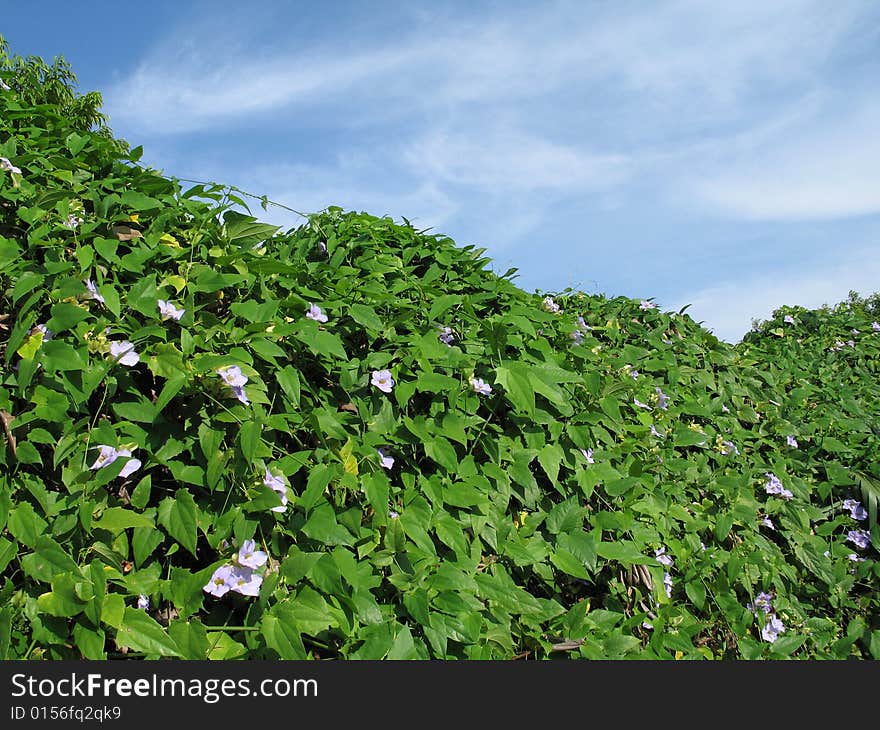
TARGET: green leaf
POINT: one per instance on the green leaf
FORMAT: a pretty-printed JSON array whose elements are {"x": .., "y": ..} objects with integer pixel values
[
  {"x": 568, "y": 563},
  {"x": 191, "y": 638},
  {"x": 63, "y": 600},
  {"x": 178, "y": 515},
  {"x": 25, "y": 525},
  {"x": 65, "y": 316},
  {"x": 281, "y": 634},
  {"x": 249, "y": 439},
  {"x": 48, "y": 560},
  {"x": 134, "y": 200},
  {"x": 323, "y": 527},
  {"x": 8, "y": 550},
  {"x": 140, "y": 632},
  {"x": 443, "y": 452},
  {"x": 90, "y": 642},
  {"x": 366, "y": 316},
  {"x": 623, "y": 551},
  {"x": 117, "y": 519},
  {"x": 113, "y": 610},
  {"x": 288, "y": 379},
  {"x": 514, "y": 378},
  {"x": 696, "y": 592},
  {"x": 442, "y": 304}
]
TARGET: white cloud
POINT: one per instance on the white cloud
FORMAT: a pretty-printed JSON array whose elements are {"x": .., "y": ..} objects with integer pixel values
[
  {"x": 670, "y": 58},
  {"x": 510, "y": 160},
  {"x": 817, "y": 168},
  {"x": 729, "y": 307}
]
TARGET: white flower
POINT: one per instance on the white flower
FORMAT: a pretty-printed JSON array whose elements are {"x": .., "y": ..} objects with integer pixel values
[
  {"x": 316, "y": 313},
  {"x": 386, "y": 461},
  {"x": 93, "y": 291},
  {"x": 480, "y": 386},
  {"x": 276, "y": 484},
  {"x": 549, "y": 305},
  {"x": 131, "y": 466},
  {"x": 124, "y": 352},
  {"x": 232, "y": 376},
  {"x": 8, "y": 166},
  {"x": 169, "y": 311}
]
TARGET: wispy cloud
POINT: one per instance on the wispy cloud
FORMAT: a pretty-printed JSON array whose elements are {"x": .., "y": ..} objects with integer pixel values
[
  {"x": 729, "y": 307},
  {"x": 815, "y": 168},
  {"x": 506, "y": 124}
]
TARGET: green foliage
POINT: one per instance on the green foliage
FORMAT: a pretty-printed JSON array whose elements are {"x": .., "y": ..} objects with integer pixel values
[{"x": 530, "y": 521}]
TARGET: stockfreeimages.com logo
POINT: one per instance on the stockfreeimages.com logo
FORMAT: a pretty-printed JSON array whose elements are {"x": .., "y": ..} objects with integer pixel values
[{"x": 109, "y": 688}]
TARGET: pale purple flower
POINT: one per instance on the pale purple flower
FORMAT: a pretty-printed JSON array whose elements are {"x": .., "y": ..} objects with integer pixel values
[
  {"x": 851, "y": 343},
  {"x": 773, "y": 629},
  {"x": 72, "y": 221},
  {"x": 645, "y": 305},
  {"x": 662, "y": 399},
  {"x": 856, "y": 511},
  {"x": 549, "y": 305},
  {"x": 239, "y": 392},
  {"x": 249, "y": 556},
  {"x": 232, "y": 376},
  {"x": 788, "y": 319},
  {"x": 703, "y": 546},
  {"x": 634, "y": 374},
  {"x": 727, "y": 448},
  {"x": 725, "y": 409},
  {"x": 640, "y": 404},
  {"x": 836, "y": 347},
  {"x": 855, "y": 331},
  {"x": 860, "y": 538},
  {"x": 221, "y": 581},
  {"x": 855, "y": 558},
  {"x": 767, "y": 522},
  {"x": 578, "y": 337},
  {"x": 646, "y": 625},
  {"x": 7, "y": 166},
  {"x": 875, "y": 326},
  {"x": 131, "y": 466},
  {"x": 169, "y": 311},
  {"x": 246, "y": 581},
  {"x": 322, "y": 246},
  {"x": 124, "y": 353},
  {"x": 393, "y": 515},
  {"x": 774, "y": 486},
  {"x": 446, "y": 336},
  {"x": 764, "y": 602},
  {"x": 315, "y": 313},
  {"x": 276, "y": 484},
  {"x": 582, "y": 324},
  {"x": 143, "y": 602},
  {"x": 588, "y": 455},
  {"x": 655, "y": 432},
  {"x": 107, "y": 456},
  {"x": 47, "y": 333},
  {"x": 791, "y": 441},
  {"x": 382, "y": 380},
  {"x": 93, "y": 291},
  {"x": 4, "y": 86},
  {"x": 662, "y": 557},
  {"x": 386, "y": 461},
  {"x": 667, "y": 584},
  {"x": 480, "y": 386}
]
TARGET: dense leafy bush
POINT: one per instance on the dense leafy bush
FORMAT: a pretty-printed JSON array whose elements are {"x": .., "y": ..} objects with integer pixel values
[{"x": 430, "y": 462}]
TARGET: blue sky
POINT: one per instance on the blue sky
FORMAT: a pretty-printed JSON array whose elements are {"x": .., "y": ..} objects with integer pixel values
[{"x": 721, "y": 155}]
